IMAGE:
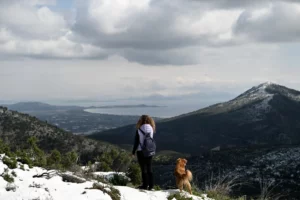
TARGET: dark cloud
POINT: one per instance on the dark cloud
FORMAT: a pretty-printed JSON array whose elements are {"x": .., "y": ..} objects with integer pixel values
[
  {"x": 161, "y": 57},
  {"x": 235, "y": 4},
  {"x": 277, "y": 23}
]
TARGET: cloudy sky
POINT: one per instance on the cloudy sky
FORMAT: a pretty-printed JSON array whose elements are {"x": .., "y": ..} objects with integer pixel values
[{"x": 103, "y": 49}]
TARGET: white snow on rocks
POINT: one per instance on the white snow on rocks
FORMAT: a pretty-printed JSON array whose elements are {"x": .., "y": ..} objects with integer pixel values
[{"x": 25, "y": 187}]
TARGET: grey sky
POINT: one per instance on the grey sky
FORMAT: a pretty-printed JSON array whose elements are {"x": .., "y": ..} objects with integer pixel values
[{"x": 114, "y": 49}]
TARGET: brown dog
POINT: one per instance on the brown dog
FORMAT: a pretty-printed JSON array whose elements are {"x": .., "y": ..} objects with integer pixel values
[{"x": 183, "y": 176}]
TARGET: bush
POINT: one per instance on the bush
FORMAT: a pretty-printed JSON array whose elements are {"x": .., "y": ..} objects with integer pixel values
[
  {"x": 179, "y": 196},
  {"x": 36, "y": 153},
  {"x": 69, "y": 160},
  {"x": 4, "y": 148},
  {"x": 104, "y": 167},
  {"x": 14, "y": 173},
  {"x": 8, "y": 178},
  {"x": 54, "y": 159},
  {"x": 218, "y": 196},
  {"x": 221, "y": 185},
  {"x": 156, "y": 187},
  {"x": 134, "y": 173},
  {"x": 10, "y": 162},
  {"x": 22, "y": 167},
  {"x": 25, "y": 160},
  {"x": 111, "y": 191},
  {"x": 121, "y": 162},
  {"x": 119, "y": 179}
]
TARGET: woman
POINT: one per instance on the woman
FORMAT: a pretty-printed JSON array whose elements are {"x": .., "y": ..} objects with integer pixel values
[{"x": 145, "y": 125}]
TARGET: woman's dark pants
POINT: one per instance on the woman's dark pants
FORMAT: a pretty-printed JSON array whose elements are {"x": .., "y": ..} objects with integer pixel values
[{"x": 146, "y": 169}]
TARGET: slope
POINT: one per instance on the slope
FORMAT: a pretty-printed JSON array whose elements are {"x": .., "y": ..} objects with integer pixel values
[
  {"x": 16, "y": 128},
  {"x": 25, "y": 186},
  {"x": 267, "y": 114}
]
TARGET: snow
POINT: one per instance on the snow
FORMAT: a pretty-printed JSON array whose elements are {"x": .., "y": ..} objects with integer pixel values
[
  {"x": 29, "y": 188},
  {"x": 108, "y": 175}
]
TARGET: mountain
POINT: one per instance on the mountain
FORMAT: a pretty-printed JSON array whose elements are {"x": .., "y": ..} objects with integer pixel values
[
  {"x": 267, "y": 114},
  {"x": 16, "y": 128},
  {"x": 38, "y": 106}
]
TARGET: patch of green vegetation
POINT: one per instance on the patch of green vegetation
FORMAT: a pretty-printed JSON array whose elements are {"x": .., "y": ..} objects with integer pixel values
[
  {"x": 111, "y": 191},
  {"x": 22, "y": 167},
  {"x": 8, "y": 178},
  {"x": 10, "y": 162},
  {"x": 54, "y": 159},
  {"x": 70, "y": 159},
  {"x": 179, "y": 196},
  {"x": 119, "y": 179},
  {"x": 134, "y": 173},
  {"x": 156, "y": 187},
  {"x": 14, "y": 173},
  {"x": 101, "y": 179},
  {"x": 219, "y": 196}
]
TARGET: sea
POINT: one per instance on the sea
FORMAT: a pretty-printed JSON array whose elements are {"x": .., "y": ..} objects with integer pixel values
[{"x": 155, "y": 109}]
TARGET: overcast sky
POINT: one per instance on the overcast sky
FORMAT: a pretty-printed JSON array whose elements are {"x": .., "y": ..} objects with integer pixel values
[{"x": 87, "y": 49}]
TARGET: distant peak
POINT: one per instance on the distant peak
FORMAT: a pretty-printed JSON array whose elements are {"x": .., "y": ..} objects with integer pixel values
[{"x": 266, "y": 84}]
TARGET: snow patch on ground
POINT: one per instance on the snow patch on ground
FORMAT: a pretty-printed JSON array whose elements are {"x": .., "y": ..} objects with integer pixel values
[
  {"x": 108, "y": 175},
  {"x": 28, "y": 188}
]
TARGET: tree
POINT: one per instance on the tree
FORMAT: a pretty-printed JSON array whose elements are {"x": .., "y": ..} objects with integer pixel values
[
  {"x": 70, "y": 159},
  {"x": 54, "y": 159},
  {"x": 36, "y": 153}
]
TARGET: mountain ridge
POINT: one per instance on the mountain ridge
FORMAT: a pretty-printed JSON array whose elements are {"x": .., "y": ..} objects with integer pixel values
[
  {"x": 16, "y": 128},
  {"x": 265, "y": 114}
]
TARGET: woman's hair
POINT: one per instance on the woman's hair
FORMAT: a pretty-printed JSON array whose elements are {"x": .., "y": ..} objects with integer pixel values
[{"x": 145, "y": 119}]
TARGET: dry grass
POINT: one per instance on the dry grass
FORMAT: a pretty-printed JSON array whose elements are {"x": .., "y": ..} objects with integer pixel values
[{"x": 221, "y": 184}]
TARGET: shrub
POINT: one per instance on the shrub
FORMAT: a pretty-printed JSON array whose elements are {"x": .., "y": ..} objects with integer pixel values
[
  {"x": 26, "y": 160},
  {"x": 179, "y": 196},
  {"x": 119, "y": 179},
  {"x": 121, "y": 162},
  {"x": 221, "y": 185},
  {"x": 111, "y": 191},
  {"x": 4, "y": 148},
  {"x": 156, "y": 187},
  {"x": 36, "y": 153},
  {"x": 217, "y": 196},
  {"x": 22, "y": 167},
  {"x": 8, "y": 178},
  {"x": 101, "y": 179},
  {"x": 134, "y": 173},
  {"x": 10, "y": 162},
  {"x": 104, "y": 167},
  {"x": 14, "y": 173},
  {"x": 69, "y": 160},
  {"x": 54, "y": 159}
]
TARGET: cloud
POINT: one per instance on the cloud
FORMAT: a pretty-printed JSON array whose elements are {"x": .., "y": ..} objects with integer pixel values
[
  {"x": 149, "y": 26},
  {"x": 38, "y": 32},
  {"x": 150, "y": 32},
  {"x": 278, "y": 22},
  {"x": 29, "y": 22}
]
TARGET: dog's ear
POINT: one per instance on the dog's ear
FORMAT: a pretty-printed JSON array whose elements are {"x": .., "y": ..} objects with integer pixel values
[
  {"x": 185, "y": 161},
  {"x": 178, "y": 160}
]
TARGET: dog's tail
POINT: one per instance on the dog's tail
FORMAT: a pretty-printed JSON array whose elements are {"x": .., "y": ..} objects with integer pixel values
[{"x": 189, "y": 175}]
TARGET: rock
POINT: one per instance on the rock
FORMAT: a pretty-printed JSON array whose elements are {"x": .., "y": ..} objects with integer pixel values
[
  {"x": 72, "y": 178},
  {"x": 11, "y": 187}
]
